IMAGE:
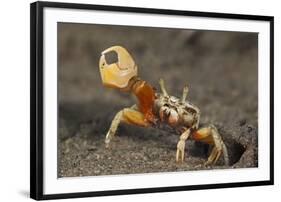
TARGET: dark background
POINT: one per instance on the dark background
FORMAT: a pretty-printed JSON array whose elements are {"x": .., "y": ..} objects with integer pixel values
[{"x": 220, "y": 69}]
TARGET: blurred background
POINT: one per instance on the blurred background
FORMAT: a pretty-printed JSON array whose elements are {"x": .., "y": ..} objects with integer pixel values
[{"x": 220, "y": 69}]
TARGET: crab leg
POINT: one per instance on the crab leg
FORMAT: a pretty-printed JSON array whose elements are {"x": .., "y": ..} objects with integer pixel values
[
  {"x": 112, "y": 130},
  {"x": 181, "y": 145},
  {"x": 211, "y": 136},
  {"x": 129, "y": 116}
]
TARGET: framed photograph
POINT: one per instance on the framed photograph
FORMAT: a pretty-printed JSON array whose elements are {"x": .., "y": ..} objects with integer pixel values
[{"x": 134, "y": 100}]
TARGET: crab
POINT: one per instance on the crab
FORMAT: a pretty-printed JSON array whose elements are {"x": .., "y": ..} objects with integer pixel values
[{"x": 156, "y": 109}]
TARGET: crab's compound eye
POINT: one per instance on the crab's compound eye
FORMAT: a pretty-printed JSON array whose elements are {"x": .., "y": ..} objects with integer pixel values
[{"x": 111, "y": 58}]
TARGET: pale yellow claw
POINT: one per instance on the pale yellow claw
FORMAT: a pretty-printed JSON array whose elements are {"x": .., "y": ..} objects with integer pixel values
[{"x": 118, "y": 74}]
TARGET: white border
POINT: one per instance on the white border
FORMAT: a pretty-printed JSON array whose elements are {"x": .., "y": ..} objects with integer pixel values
[{"x": 53, "y": 185}]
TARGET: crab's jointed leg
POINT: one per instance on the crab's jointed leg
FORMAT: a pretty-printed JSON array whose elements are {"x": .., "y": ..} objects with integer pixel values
[
  {"x": 129, "y": 116},
  {"x": 210, "y": 135},
  {"x": 181, "y": 145}
]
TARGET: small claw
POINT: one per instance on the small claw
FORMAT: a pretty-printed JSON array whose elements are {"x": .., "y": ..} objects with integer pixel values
[
  {"x": 180, "y": 156},
  {"x": 181, "y": 145},
  {"x": 180, "y": 151}
]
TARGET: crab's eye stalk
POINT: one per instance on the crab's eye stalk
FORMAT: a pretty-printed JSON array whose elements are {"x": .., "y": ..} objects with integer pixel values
[{"x": 117, "y": 67}]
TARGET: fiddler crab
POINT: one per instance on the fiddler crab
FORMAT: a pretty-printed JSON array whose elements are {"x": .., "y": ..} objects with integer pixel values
[{"x": 158, "y": 110}]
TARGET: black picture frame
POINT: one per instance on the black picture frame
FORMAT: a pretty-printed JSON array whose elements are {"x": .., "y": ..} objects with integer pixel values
[{"x": 37, "y": 98}]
